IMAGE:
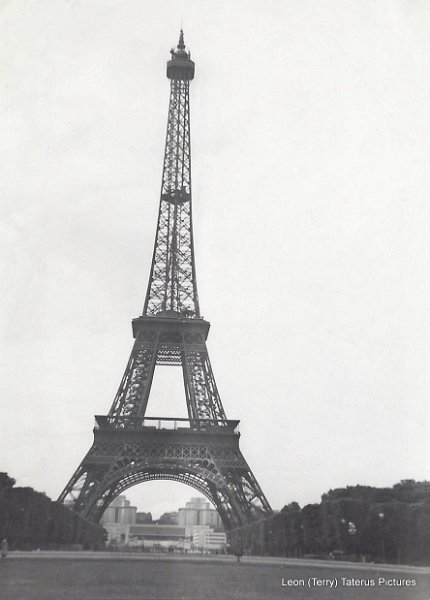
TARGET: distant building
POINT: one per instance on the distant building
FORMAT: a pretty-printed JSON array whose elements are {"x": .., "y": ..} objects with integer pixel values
[
  {"x": 155, "y": 536},
  {"x": 120, "y": 511},
  {"x": 199, "y": 528},
  {"x": 205, "y": 539},
  {"x": 198, "y": 511},
  {"x": 117, "y": 518}
]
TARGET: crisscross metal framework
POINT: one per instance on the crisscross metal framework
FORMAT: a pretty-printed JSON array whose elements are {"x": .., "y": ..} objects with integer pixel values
[
  {"x": 128, "y": 447},
  {"x": 172, "y": 283},
  {"x": 209, "y": 461}
]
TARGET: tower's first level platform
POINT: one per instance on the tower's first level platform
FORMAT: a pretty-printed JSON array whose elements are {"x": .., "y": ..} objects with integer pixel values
[{"x": 166, "y": 424}]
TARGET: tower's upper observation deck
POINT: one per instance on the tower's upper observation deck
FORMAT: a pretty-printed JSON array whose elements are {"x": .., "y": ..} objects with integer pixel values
[{"x": 180, "y": 66}]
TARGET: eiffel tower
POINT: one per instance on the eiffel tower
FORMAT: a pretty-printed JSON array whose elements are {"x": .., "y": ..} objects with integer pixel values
[{"x": 129, "y": 447}]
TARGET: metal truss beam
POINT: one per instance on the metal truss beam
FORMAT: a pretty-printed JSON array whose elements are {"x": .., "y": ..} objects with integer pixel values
[{"x": 128, "y": 447}]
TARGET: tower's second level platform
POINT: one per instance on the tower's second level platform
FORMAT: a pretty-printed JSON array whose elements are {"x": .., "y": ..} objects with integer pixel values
[{"x": 170, "y": 324}]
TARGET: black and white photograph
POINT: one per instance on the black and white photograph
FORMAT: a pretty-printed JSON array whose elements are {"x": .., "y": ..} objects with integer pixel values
[{"x": 215, "y": 300}]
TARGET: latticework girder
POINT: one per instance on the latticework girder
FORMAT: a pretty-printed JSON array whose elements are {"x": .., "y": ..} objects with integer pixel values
[
  {"x": 210, "y": 462},
  {"x": 175, "y": 342},
  {"x": 130, "y": 448},
  {"x": 172, "y": 288}
]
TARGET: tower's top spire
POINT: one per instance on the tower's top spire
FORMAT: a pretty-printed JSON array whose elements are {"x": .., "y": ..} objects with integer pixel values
[
  {"x": 181, "y": 45},
  {"x": 180, "y": 67}
]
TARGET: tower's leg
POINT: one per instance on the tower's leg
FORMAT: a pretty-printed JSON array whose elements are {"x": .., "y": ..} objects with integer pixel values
[
  {"x": 133, "y": 393},
  {"x": 201, "y": 392}
]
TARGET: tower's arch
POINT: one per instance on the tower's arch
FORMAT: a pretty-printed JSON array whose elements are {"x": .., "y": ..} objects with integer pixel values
[{"x": 191, "y": 480}]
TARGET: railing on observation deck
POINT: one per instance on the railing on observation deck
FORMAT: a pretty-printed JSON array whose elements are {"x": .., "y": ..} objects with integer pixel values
[{"x": 103, "y": 422}]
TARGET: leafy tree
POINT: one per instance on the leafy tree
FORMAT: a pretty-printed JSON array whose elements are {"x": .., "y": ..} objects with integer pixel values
[
  {"x": 362, "y": 492},
  {"x": 382, "y": 524},
  {"x": 6, "y": 482},
  {"x": 293, "y": 529},
  {"x": 29, "y": 519},
  {"x": 291, "y": 506},
  {"x": 143, "y": 517},
  {"x": 314, "y": 539},
  {"x": 409, "y": 490},
  {"x": 169, "y": 518}
]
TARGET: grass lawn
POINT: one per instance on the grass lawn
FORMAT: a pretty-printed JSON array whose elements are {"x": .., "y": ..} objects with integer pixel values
[{"x": 84, "y": 579}]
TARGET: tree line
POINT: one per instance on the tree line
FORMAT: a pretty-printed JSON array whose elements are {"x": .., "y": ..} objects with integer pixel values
[
  {"x": 30, "y": 520},
  {"x": 167, "y": 518},
  {"x": 355, "y": 523}
]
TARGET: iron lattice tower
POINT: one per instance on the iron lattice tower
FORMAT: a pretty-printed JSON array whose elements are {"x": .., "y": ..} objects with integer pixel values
[{"x": 203, "y": 450}]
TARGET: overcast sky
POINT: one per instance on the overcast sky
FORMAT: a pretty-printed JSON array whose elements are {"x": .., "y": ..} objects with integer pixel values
[{"x": 310, "y": 138}]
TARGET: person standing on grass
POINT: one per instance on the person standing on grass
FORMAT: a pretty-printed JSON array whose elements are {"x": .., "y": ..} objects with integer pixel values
[{"x": 3, "y": 548}]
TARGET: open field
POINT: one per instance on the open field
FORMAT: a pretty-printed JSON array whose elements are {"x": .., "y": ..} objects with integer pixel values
[{"x": 93, "y": 576}]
